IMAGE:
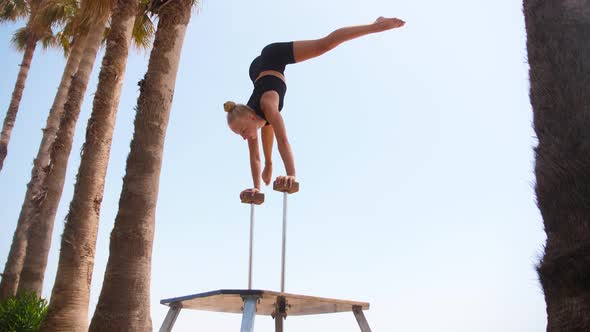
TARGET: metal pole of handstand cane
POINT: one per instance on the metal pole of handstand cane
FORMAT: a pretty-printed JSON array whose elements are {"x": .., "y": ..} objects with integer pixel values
[
  {"x": 256, "y": 199},
  {"x": 284, "y": 242},
  {"x": 251, "y": 245},
  {"x": 285, "y": 190}
]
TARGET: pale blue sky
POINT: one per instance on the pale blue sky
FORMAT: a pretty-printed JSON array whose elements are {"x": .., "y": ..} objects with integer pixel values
[{"x": 413, "y": 149}]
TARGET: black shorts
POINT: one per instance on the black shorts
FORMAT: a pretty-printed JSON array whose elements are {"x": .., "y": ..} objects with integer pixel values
[{"x": 275, "y": 57}]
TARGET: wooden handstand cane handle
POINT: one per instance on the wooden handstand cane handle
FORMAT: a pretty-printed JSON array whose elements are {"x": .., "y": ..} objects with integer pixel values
[
  {"x": 257, "y": 198},
  {"x": 283, "y": 187}
]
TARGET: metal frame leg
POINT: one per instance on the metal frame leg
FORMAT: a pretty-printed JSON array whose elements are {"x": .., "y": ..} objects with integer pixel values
[
  {"x": 360, "y": 318},
  {"x": 170, "y": 319},
  {"x": 280, "y": 313},
  {"x": 249, "y": 313},
  {"x": 279, "y": 324}
]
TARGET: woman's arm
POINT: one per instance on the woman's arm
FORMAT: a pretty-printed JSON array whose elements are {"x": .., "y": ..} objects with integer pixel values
[
  {"x": 268, "y": 136},
  {"x": 276, "y": 120},
  {"x": 254, "y": 161}
]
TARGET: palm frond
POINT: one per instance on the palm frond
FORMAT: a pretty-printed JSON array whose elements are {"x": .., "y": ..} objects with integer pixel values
[
  {"x": 63, "y": 16},
  {"x": 48, "y": 38},
  {"x": 143, "y": 27},
  {"x": 20, "y": 38},
  {"x": 64, "y": 41},
  {"x": 153, "y": 7},
  {"x": 57, "y": 12},
  {"x": 49, "y": 41},
  {"x": 34, "y": 4},
  {"x": 96, "y": 9},
  {"x": 12, "y": 10},
  {"x": 75, "y": 26}
]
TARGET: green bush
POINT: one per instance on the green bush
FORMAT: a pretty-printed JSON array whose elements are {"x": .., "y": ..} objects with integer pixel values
[{"x": 22, "y": 313}]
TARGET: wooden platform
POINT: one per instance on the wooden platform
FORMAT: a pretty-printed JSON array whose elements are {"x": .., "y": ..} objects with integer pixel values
[{"x": 232, "y": 301}]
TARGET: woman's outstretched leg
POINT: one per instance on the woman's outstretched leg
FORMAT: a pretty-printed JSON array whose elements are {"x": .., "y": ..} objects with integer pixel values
[{"x": 307, "y": 49}]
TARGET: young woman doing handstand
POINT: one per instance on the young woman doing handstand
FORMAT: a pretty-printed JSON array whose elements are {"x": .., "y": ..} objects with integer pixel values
[{"x": 262, "y": 111}]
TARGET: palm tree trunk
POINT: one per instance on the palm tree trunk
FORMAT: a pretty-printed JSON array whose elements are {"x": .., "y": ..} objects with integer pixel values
[
  {"x": 40, "y": 231},
  {"x": 70, "y": 294},
  {"x": 124, "y": 302},
  {"x": 17, "y": 94},
  {"x": 10, "y": 279},
  {"x": 17, "y": 252},
  {"x": 559, "y": 57}
]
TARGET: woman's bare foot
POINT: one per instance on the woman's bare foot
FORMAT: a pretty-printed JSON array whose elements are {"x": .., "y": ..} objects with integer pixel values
[{"x": 385, "y": 23}]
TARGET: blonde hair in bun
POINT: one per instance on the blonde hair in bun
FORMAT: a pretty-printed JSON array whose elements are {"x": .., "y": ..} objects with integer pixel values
[
  {"x": 235, "y": 110},
  {"x": 229, "y": 106}
]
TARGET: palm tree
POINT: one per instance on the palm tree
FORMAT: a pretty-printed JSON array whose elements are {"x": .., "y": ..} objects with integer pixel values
[
  {"x": 124, "y": 302},
  {"x": 45, "y": 207},
  {"x": 25, "y": 39},
  {"x": 48, "y": 14},
  {"x": 558, "y": 53},
  {"x": 105, "y": 99},
  {"x": 70, "y": 295}
]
